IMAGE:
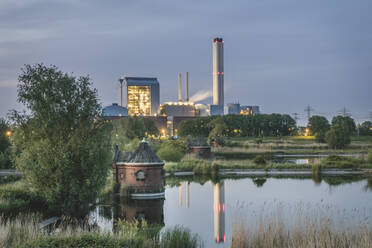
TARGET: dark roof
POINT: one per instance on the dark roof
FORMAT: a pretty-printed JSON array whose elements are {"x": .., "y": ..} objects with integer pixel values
[
  {"x": 123, "y": 156},
  {"x": 141, "y": 81},
  {"x": 144, "y": 154},
  {"x": 115, "y": 110}
]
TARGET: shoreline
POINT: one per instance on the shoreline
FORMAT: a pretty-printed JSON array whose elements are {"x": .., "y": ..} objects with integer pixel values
[{"x": 282, "y": 172}]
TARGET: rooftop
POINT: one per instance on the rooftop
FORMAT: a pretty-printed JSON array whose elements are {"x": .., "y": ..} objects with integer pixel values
[
  {"x": 115, "y": 110},
  {"x": 141, "y": 81}
]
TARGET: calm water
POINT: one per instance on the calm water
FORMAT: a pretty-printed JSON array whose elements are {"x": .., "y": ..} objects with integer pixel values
[{"x": 209, "y": 208}]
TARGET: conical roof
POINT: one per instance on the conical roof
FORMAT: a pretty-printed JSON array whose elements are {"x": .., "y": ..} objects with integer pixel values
[{"x": 144, "y": 154}]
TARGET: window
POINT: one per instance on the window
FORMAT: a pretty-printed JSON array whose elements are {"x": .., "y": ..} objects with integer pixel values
[{"x": 140, "y": 175}]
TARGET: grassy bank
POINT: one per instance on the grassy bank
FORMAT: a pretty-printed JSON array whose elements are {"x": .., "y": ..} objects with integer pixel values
[
  {"x": 211, "y": 167},
  {"x": 304, "y": 229},
  {"x": 24, "y": 232}
]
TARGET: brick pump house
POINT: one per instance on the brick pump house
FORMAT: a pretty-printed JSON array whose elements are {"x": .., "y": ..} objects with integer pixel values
[{"x": 140, "y": 171}]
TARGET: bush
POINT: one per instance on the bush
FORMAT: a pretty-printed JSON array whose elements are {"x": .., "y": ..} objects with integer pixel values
[
  {"x": 168, "y": 153},
  {"x": 337, "y": 137},
  {"x": 369, "y": 157},
  {"x": 259, "y": 159},
  {"x": 5, "y": 162},
  {"x": 179, "y": 237}
]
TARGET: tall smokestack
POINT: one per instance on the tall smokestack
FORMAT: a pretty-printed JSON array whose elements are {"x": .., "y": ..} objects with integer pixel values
[
  {"x": 218, "y": 72},
  {"x": 179, "y": 87},
  {"x": 187, "y": 86}
]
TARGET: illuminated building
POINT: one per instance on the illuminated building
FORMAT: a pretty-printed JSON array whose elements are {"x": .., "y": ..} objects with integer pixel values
[
  {"x": 141, "y": 95},
  {"x": 249, "y": 110},
  {"x": 178, "y": 109}
]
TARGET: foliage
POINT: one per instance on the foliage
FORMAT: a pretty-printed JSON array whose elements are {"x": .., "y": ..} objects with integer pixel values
[
  {"x": 172, "y": 150},
  {"x": 345, "y": 122},
  {"x": 125, "y": 130},
  {"x": 23, "y": 231},
  {"x": 239, "y": 125},
  {"x": 369, "y": 157},
  {"x": 342, "y": 162},
  {"x": 259, "y": 159},
  {"x": 167, "y": 153},
  {"x": 180, "y": 237},
  {"x": 17, "y": 199},
  {"x": 5, "y": 161},
  {"x": 338, "y": 137},
  {"x": 9, "y": 178},
  {"x": 64, "y": 144},
  {"x": 218, "y": 128},
  {"x": 365, "y": 128},
  {"x": 318, "y": 126}
]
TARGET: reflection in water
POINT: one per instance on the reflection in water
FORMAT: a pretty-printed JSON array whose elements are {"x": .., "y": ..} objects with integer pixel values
[
  {"x": 187, "y": 194},
  {"x": 131, "y": 210},
  {"x": 219, "y": 212},
  {"x": 180, "y": 194}
]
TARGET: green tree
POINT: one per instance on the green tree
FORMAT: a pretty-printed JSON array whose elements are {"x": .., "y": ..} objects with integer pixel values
[
  {"x": 219, "y": 128},
  {"x": 346, "y": 122},
  {"x": 338, "y": 137},
  {"x": 319, "y": 126},
  {"x": 64, "y": 143},
  {"x": 365, "y": 128},
  {"x": 5, "y": 162}
]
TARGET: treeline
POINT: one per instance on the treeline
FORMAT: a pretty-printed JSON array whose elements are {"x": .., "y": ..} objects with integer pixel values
[{"x": 239, "y": 125}]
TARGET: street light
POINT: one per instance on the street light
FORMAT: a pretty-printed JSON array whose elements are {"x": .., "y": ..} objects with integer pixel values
[{"x": 8, "y": 133}]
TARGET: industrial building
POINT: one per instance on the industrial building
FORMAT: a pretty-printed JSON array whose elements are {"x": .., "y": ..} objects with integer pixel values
[
  {"x": 249, "y": 110},
  {"x": 140, "y": 95},
  {"x": 114, "y": 111},
  {"x": 178, "y": 109}
]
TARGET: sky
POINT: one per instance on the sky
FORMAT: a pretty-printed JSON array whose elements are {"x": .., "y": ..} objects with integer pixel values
[{"x": 282, "y": 55}]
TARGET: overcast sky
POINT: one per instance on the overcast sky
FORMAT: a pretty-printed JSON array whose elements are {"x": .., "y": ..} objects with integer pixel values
[{"x": 279, "y": 54}]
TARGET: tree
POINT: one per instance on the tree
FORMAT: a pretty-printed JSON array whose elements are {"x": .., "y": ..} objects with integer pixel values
[
  {"x": 64, "y": 143},
  {"x": 338, "y": 137},
  {"x": 5, "y": 133},
  {"x": 365, "y": 128},
  {"x": 346, "y": 122},
  {"x": 318, "y": 126}
]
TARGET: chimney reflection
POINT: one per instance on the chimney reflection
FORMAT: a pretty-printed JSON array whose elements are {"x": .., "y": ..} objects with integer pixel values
[
  {"x": 219, "y": 212},
  {"x": 187, "y": 194},
  {"x": 180, "y": 194}
]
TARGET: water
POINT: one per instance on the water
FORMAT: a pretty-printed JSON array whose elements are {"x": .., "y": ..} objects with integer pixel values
[{"x": 209, "y": 208}]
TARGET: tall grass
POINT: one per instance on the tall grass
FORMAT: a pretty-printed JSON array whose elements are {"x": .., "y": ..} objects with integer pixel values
[
  {"x": 24, "y": 231},
  {"x": 318, "y": 228}
]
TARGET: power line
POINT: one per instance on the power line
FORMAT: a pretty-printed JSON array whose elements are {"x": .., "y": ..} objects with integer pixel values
[
  {"x": 308, "y": 110},
  {"x": 296, "y": 116},
  {"x": 345, "y": 112}
]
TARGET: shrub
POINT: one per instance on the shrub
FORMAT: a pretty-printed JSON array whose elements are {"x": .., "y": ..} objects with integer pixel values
[
  {"x": 369, "y": 157},
  {"x": 259, "y": 159},
  {"x": 337, "y": 137},
  {"x": 180, "y": 237},
  {"x": 168, "y": 153}
]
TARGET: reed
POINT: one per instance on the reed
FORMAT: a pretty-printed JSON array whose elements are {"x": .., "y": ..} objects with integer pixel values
[{"x": 318, "y": 228}]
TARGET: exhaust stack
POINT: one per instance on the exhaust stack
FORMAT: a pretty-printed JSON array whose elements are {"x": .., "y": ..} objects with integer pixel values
[
  {"x": 218, "y": 72},
  {"x": 187, "y": 86},
  {"x": 180, "y": 87}
]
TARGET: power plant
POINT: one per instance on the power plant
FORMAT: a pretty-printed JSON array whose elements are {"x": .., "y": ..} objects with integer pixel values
[{"x": 140, "y": 96}]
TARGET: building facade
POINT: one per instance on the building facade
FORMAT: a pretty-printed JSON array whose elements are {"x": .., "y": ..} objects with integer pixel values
[{"x": 141, "y": 96}]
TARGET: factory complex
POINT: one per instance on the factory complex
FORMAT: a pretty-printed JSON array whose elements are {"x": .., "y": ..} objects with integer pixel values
[{"x": 140, "y": 96}]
